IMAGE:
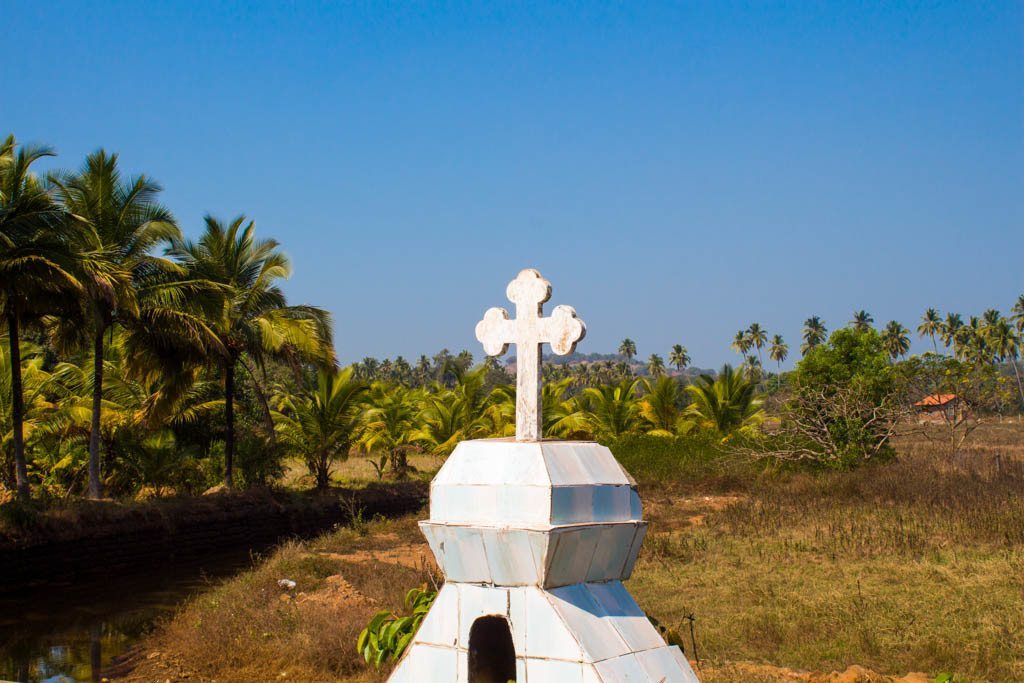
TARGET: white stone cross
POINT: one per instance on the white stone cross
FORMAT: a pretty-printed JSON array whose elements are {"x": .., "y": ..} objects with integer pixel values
[{"x": 528, "y": 332}]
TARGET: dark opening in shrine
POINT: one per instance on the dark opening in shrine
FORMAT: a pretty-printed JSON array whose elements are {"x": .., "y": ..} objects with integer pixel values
[{"x": 492, "y": 656}]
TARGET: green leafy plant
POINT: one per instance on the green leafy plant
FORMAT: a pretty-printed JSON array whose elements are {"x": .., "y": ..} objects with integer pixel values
[
  {"x": 380, "y": 467},
  {"x": 387, "y": 635}
]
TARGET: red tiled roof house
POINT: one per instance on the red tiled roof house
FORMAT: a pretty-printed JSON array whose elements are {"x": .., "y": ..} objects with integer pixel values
[{"x": 940, "y": 407}]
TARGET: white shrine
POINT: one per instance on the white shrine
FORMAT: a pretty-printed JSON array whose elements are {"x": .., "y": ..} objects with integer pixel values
[{"x": 535, "y": 538}]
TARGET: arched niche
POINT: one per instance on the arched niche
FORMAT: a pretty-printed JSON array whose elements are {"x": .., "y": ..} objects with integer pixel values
[{"x": 492, "y": 655}]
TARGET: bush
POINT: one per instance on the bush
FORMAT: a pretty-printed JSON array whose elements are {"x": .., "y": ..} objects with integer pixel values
[
  {"x": 665, "y": 459},
  {"x": 845, "y": 403}
]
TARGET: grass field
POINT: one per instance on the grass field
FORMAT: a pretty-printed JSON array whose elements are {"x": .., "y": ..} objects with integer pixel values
[
  {"x": 916, "y": 565},
  {"x": 912, "y": 566},
  {"x": 354, "y": 470}
]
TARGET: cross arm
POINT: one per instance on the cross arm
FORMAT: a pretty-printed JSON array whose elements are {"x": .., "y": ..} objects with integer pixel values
[
  {"x": 563, "y": 330},
  {"x": 495, "y": 331}
]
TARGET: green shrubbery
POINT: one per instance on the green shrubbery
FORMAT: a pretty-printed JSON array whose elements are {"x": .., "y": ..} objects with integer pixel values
[
  {"x": 843, "y": 404},
  {"x": 700, "y": 456},
  {"x": 387, "y": 635}
]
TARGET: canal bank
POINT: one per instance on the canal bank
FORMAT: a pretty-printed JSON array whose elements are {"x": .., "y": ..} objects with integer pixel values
[
  {"x": 81, "y": 587},
  {"x": 112, "y": 539}
]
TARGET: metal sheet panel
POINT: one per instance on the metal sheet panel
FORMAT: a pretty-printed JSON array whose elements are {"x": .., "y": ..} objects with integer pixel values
[
  {"x": 441, "y": 662},
  {"x": 634, "y": 551},
  {"x": 476, "y": 602},
  {"x": 441, "y": 625},
  {"x": 599, "y": 464},
  {"x": 625, "y": 669},
  {"x": 546, "y": 633},
  {"x": 586, "y": 621},
  {"x": 661, "y": 665},
  {"x": 510, "y": 558},
  {"x": 611, "y": 552},
  {"x": 625, "y": 616},
  {"x": 553, "y": 671}
]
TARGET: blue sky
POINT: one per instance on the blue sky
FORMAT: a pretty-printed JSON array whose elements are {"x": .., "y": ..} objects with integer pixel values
[{"x": 676, "y": 170}]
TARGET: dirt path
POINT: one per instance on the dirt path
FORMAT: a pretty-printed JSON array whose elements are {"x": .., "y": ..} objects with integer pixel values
[
  {"x": 667, "y": 511},
  {"x": 763, "y": 673},
  {"x": 412, "y": 555}
]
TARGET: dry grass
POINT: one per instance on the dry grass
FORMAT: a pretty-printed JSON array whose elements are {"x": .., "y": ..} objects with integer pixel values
[
  {"x": 250, "y": 629},
  {"x": 356, "y": 470},
  {"x": 916, "y": 565}
]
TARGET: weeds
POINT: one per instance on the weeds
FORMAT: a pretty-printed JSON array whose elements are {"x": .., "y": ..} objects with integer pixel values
[{"x": 913, "y": 565}]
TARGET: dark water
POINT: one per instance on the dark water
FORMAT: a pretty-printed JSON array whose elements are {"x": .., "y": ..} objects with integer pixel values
[{"x": 69, "y": 633}]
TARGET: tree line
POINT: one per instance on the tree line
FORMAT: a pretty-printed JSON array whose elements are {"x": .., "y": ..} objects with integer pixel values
[
  {"x": 134, "y": 358},
  {"x": 120, "y": 340}
]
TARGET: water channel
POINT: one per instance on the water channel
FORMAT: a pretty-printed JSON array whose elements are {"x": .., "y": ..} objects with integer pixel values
[{"x": 69, "y": 633}]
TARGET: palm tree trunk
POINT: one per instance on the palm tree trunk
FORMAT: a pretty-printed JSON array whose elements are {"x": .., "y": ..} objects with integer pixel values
[
  {"x": 95, "y": 487},
  {"x": 322, "y": 471},
  {"x": 229, "y": 418},
  {"x": 268, "y": 418},
  {"x": 1020, "y": 387},
  {"x": 17, "y": 404}
]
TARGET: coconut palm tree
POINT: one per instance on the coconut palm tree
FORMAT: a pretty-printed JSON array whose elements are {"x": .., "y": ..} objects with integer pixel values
[
  {"x": 320, "y": 422},
  {"x": 741, "y": 342},
  {"x": 564, "y": 416},
  {"x": 758, "y": 338},
  {"x": 931, "y": 326},
  {"x": 248, "y": 311},
  {"x": 861, "y": 321},
  {"x": 661, "y": 407},
  {"x": 1005, "y": 343},
  {"x": 895, "y": 339},
  {"x": 656, "y": 365},
  {"x": 951, "y": 330},
  {"x": 127, "y": 421},
  {"x": 963, "y": 339},
  {"x": 403, "y": 371},
  {"x": 627, "y": 349},
  {"x": 814, "y": 334},
  {"x": 972, "y": 342},
  {"x": 441, "y": 424},
  {"x": 370, "y": 369},
  {"x": 725, "y": 404},
  {"x": 752, "y": 368},
  {"x": 422, "y": 372},
  {"x": 449, "y": 416},
  {"x": 35, "y": 269},
  {"x": 612, "y": 409},
  {"x": 990, "y": 317},
  {"x": 1018, "y": 313},
  {"x": 389, "y": 427},
  {"x": 120, "y": 223},
  {"x": 679, "y": 357},
  {"x": 35, "y": 403},
  {"x": 778, "y": 351}
]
